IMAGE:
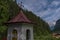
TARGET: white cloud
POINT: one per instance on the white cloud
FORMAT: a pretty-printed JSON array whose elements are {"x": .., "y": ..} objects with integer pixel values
[
  {"x": 52, "y": 12},
  {"x": 56, "y": 3}
]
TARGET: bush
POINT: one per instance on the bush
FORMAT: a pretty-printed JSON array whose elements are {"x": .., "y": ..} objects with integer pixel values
[{"x": 45, "y": 37}]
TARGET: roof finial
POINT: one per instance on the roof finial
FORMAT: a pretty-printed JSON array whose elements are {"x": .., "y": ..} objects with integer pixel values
[{"x": 20, "y": 4}]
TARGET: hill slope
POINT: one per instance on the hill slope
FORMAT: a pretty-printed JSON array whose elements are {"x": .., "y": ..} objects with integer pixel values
[{"x": 41, "y": 27}]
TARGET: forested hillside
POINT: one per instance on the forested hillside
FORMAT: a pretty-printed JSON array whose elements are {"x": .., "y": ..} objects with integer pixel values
[
  {"x": 40, "y": 26},
  {"x": 9, "y": 9}
]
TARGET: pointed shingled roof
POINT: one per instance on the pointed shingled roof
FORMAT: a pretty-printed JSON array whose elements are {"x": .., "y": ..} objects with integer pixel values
[{"x": 20, "y": 18}]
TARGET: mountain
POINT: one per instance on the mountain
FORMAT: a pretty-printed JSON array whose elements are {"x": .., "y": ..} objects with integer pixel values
[
  {"x": 57, "y": 26},
  {"x": 51, "y": 28}
]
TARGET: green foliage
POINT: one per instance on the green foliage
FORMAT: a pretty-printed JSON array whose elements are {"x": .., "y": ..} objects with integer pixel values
[
  {"x": 8, "y": 9},
  {"x": 46, "y": 37},
  {"x": 4, "y": 14},
  {"x": 6, "y": 6},
  {"x": 13, "y": 8}
]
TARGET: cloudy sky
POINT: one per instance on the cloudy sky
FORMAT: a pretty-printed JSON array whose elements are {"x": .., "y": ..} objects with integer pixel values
[{"x": 48, "y": 10}]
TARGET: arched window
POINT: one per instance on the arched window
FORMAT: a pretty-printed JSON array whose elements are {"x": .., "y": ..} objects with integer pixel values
[
  {"x": 14, "y": 33},
  {"x": 28, "y": 34}
]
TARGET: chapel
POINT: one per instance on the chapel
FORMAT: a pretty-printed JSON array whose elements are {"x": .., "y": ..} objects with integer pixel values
[{"x": 20, "y": 28}]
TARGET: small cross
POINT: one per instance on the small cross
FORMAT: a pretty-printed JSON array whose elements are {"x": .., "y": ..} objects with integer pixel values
[{"x": 20, "y": 4}]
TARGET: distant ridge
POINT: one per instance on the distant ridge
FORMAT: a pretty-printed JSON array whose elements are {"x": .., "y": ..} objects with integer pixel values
[{"x": 57, "y": 27}]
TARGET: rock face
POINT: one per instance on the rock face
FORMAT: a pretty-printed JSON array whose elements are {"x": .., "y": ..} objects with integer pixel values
[{"x": 57, "y": 26}]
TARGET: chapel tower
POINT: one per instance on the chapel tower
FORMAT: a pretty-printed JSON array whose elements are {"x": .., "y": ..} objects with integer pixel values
[{"x": 20, "y": 28}]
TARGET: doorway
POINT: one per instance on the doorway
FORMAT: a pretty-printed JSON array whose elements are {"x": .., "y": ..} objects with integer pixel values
[{"x": 14, "y": 33}]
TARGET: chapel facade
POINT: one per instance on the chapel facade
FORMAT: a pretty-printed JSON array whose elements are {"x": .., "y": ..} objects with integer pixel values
[{"x": 20, "y": 28}]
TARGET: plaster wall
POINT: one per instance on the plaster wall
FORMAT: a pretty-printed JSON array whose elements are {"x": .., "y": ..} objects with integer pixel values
[{"x": 21, "y": 31}]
